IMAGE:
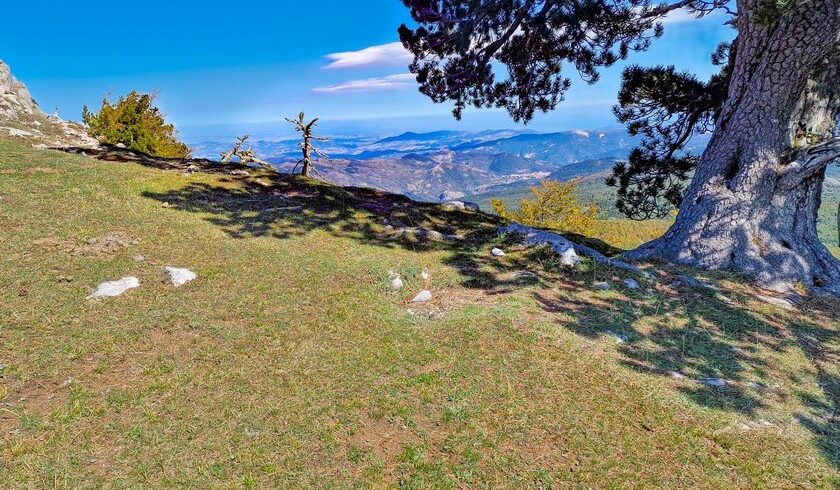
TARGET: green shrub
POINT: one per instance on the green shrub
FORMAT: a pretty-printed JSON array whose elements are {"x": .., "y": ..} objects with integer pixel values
[{"x": 135, "y": 122}]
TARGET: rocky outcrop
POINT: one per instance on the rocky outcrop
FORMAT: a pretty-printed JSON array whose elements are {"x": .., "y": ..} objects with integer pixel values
[
  {"x": 14, "y": 97},
  {"x": 21, "y": 118}
]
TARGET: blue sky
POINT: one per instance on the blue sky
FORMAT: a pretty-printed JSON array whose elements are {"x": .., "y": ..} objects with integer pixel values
[{"x": 225, "y": 68}]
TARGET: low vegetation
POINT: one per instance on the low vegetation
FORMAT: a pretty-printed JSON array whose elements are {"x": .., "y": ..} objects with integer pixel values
[
  {"x": 290, "y": 363},
  {"x": 135, "y": 122},
  {"x": 553, "y": 206}
]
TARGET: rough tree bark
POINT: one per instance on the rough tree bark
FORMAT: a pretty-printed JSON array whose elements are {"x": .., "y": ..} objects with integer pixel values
[{"x": 753, "y": 201}]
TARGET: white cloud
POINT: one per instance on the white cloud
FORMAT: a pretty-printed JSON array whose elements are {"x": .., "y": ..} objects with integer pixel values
[
  {"x": 391, "y": 82},
  {"x": 391, "y": 54},
  {"x": 678, "y": 16}
]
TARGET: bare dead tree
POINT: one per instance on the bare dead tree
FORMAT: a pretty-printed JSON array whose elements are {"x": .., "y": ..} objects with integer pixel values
[
  {"x": 306, "y": 129},
  {"x": 245, "y": 156}
]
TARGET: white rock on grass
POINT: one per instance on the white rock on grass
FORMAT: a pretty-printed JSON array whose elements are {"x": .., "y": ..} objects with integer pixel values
[
  {"x": 497, "y": 252},
  {"x": 422, "y": 296},
  {"x": 396, "y": 281},
  {"x": 569, "y": 258},
  {"x": 179, "y": 277},
  {"x": 19, "y": 133},
  {"x": 631, "y": 283},
  {"x": 780, "y": 302},
  {"x": 461, "y": 205},
  {"x": 111, "y": 289},
  {"x": 425, "y": 274}
]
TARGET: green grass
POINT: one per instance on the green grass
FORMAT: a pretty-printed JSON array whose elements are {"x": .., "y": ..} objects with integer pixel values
[{"x": 288, "y": 363}]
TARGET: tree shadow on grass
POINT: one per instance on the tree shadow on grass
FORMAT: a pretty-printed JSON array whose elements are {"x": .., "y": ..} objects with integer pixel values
[
  {"x": 284, "y": 206},
  {"x": 698, "y": 333},
  {"x": 823, "y": 416},
  {"x": 718, "y": 348}
]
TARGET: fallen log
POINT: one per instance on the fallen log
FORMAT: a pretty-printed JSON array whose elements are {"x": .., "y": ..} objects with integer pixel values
[{"x": 562, "y": 245}]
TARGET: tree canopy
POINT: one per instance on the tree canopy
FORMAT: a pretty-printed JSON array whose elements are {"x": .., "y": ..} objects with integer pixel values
[{"x": 463, "y": 48}]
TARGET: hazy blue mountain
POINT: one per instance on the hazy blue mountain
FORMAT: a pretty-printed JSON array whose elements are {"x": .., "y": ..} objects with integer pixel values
[
  {"x": 450, "y": 164},
  {"x": 585, "y": 168}
]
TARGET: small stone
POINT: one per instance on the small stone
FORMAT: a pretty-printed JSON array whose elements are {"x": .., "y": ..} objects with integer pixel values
[
  {"x": 569, "y": 258},
  {"x": 780, "y": 302},
  {"x": 432, "y": 235},
  {"x": 631, "y": 283},
  {"x": 497, "y": 252},
  {"x": 179, "y": 277},
  {"x": 422, "y": 296},
  {"x": 526, "y": 276},
  {"x": 396, "y": 280},
  {"x": 602, "y": 285},
  {"x": 716, "y": 382},
  {"x": 676, "y": 375},
  {"x": 692, "y": 282},
  {"x": 115, "y": 288},
  {"x": 138, "y": 258},
  {"x": 165, "y": 205},
  {"x": 425, "y": 274},
  {"x": 461, "y": 206}
]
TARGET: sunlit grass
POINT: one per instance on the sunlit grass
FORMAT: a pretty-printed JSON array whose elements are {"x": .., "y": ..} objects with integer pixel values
[{"x": 289, "y": 363}]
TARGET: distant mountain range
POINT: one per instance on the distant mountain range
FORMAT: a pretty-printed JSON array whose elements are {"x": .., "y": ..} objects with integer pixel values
[{"x": 445, "y": 165}]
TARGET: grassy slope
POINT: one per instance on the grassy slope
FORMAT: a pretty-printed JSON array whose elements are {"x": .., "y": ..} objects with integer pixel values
[{"x": 289, "y": 364}]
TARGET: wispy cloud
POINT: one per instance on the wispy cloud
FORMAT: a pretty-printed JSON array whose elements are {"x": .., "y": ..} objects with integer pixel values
[
  {"x": 378, "y": 84},
  {"x": 391, "y": 54},
  {"x": 681, "y": 15}
]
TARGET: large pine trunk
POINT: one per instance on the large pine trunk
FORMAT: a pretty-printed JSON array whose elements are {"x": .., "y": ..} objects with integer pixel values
[{"x": 753, "y": 201}]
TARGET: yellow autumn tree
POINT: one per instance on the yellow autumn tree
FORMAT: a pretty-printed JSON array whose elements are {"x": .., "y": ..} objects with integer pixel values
[{"x": 554, "y": 206}]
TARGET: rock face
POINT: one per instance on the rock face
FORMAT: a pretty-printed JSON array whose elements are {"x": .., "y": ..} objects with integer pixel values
[
  {"x": 21, "y": 118},
  {"x": 14, "y": 97}
]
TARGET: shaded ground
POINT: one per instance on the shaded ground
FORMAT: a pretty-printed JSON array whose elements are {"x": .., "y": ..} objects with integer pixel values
[{"x": 289, "y": 363}]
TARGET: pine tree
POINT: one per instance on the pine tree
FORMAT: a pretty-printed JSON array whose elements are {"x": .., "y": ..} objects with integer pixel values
[
  {"x": 752, "y": 198},
  {"x": 134, "y": 122}
]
